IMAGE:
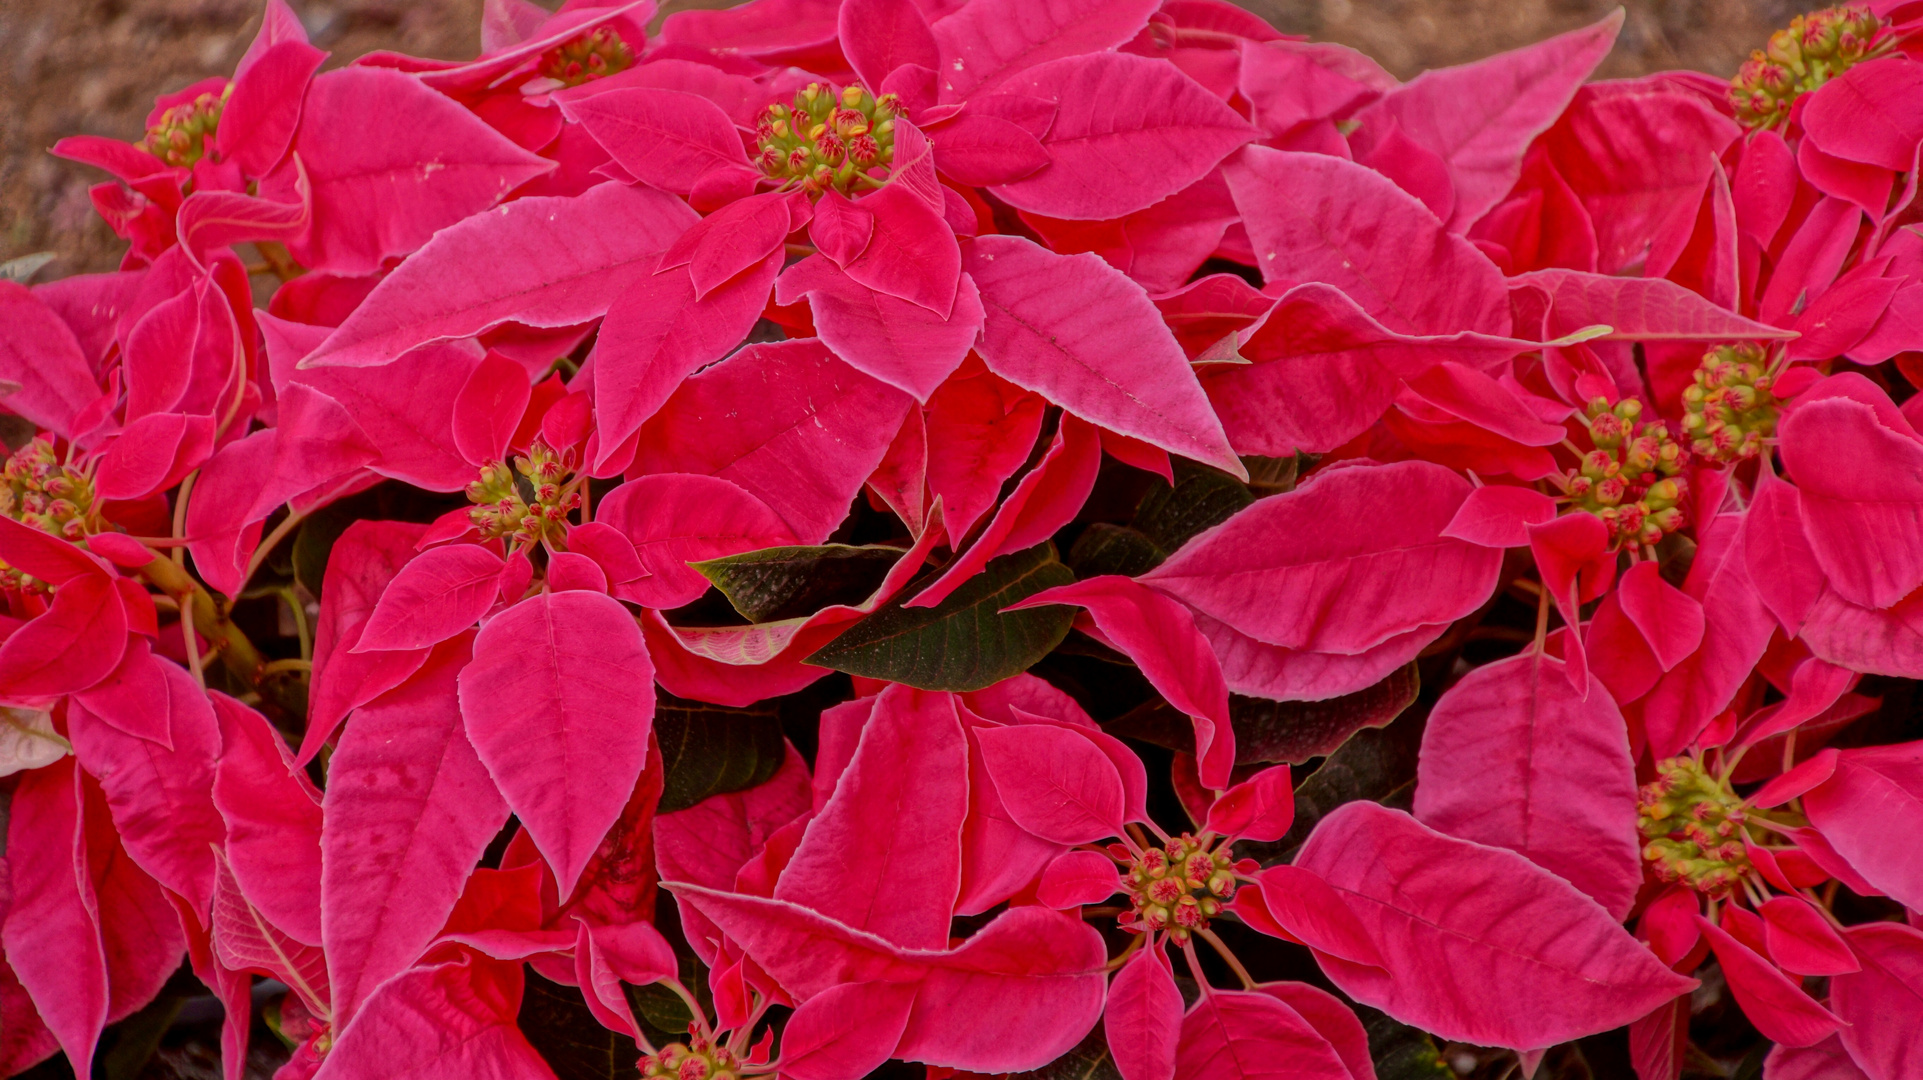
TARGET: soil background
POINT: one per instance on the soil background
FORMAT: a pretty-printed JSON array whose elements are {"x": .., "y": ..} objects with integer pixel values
[{"x": 94, "y": 67}]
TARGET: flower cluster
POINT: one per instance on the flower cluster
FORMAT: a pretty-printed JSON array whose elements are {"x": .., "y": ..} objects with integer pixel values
[{"x": 977, "y": 533}]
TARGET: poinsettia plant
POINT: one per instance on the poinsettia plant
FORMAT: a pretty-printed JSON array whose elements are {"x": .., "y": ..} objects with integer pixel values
[{"x": 1083, "y": 537}]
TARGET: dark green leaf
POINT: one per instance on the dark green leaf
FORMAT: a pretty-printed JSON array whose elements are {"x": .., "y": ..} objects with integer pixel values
[
  {"x": 711, "y": 749},
  {"x": 557, "y": 1021},
  {"x": 1275, "y": 475},
  {"x": 1281, "y": 731},
  {"x": 964, "y": 642},
  {"x": 1113, "y": 549},
  {"x": 1089, "y": 1060},
  {"x": 1201, "y": 498},
  {"x": 790, "y": 582},
  {"x": 313, "y": 543},
  {"x": 1378, "y": 764},
  {"x": 1400, "y": 1052}
]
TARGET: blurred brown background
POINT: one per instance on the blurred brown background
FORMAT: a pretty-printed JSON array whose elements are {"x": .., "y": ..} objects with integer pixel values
[{"x": 94, "y": 66}]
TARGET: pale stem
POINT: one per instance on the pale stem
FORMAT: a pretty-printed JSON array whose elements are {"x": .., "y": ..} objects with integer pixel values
[
  {"x": 1134, "y": 942},
  {"x": 287, "y": 525},
  {"x": 180, "y": 517},
  {"x": 1195, "y": 967}
]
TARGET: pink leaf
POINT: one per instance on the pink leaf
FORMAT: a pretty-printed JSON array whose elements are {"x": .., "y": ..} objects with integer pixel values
[
  {"x": 1332, "y": 1019},
  {"x": 657, "y": 334},
  {"x": 897, "y": 880},
  {"x": 1670, "y": 620},
  {"x": 52, "y": 926},
  {"x": 372, "y": 197},
  {"x": 1515, "y": 757},
  {"x": 1827, "y": 1060},
  {"x": 1143, "y": 1021},
  {"x": 550, "y": 262},
  {"x": 1075, "y": 878},
  {"x": 408, "y": 810},
  {"x": 75, "y": 644},
  {"x": 664, "y": 138},
  {"x": 1801, "y": 940},
  {"x": 1454, "y": 919},
  {"x": 1054, "y": 782},
  {"x": 912, "y": 253},
  {"x": 42, "y": 356},
  {"x": 160, "y": 797},
  {"x": 1279, "y": 570},
  {"x": 1776, "y": 1005},
  {"x": 879, "y": 36},
  {"x": 1637, "y": 309},
  {"x": 1861, "y": 496},
  {"x": 734, "y": 238},
  {"x": 906, "y": 346},
  {"x": 981, "y": 429},
  {"x": 273, "y": 819},
  {"x": 1777, "y": 553},
  {"x": 1243, "y": 1036},
  {"x": 559, "y": 703},
  {"x": 1498, "y": 515},
  {"x": 1129, "y": 131},
  {"x": 436, "y": 596},
  {"x": 847, "y": 1030},
  {"x": 488, "y": 408},
  {"x": 1480, "y": 117},
  {"x": 451, "y": 1019},
  {"x": 1871, "y": 1001},
  {"x": 1736, "y": 630},
  {"x": 985, "y": 44},
  {"x": 1159, "y": 635},
  {"x": 1260, "y": 808},
  {"x": 1865, "y": 116},
  {"x": 674, "y": 519},
  {"x": 1867, "y": 807},
  {"x": 1081, "y": 334},
  {"x": 818, "y": 430},
  {"x": 1308, "y": 910},
  {"x": 246, "y": 940},
  {"x": 1312, "y": 217},
  {"x": 363, "y": 562}
]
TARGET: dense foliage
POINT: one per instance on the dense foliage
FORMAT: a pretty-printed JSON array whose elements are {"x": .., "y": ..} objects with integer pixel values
[{"x": 1086, "y": 536}]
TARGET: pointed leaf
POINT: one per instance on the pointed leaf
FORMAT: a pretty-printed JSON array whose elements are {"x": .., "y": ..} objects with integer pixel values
[
  {"x": 246, "y": 940},
  {"x": 676, "y": 519},
  {"x": 273, "y": 823},
  {"x": 787, "y": 582},
  {"x": 455, "y": 1019},
  {"x": 985, "y": 44},
  {"x": 1636, "y": 309},
  {"x": 1248, "y": 1035},
  {"x": 898, "y": 342},
  {"x": 709, "y": 750},
  {"x": 440, "y": 593},
  {"x": 1054, "y": 782},
  {"x": 1144, "y": 1017},
  {"x": 1874, "y": 797},
  {"x": 1777, "y": 1006},
  {"x": 664, "y": 138},
  {"x": 1870, "y": 1001}
]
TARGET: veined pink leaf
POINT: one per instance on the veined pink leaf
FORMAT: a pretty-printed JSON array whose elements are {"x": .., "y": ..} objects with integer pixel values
[
  {"x": 273, "y": 819},
  {"x": 1872, "y": 801},
  {"x": 451, "y": 1019},
  {"x": 1081, "y": 334},
  {"x": 1159, "y": 635},
  {"x": 52, "y": 924},
  {"x": 897, "y": 880},
  {"x": 1515, "y": 757},
  {"x": 980, "y": 429},
  {"x": 363, "y": 562},
  {"x": 141, "y": 931},
  {"x": 1288, "y": 581},
  {"x": 1499, "y": 515},
  {"x": 1801, "y": 940},
  {"x": 442, "y": 592},
  {"x": 846, "y": 1030},
  {"x": 879, "y": 36},
  {"x": 551, "y": 262},
  {"x": 559, "y": 702},
  {"x": 1827, "y": 1060},
  {"x": 1054, "y": 782},
  {"x": 665, "y": 138},
  {"x": 1260, "y": 808},
  {"x": 75, "y": 644},
  {"x": 43, "y": 357},
  {"x": 1454, "y": 919},
  {"x": 1143, "y": 1020},
  {"x": 912, "y": 253},
  {"x": 161, "y": 797},
  {"x": 1332, "y": 1019},
  {"x": 1870, "y": 1001},
  {"x": 244, "y": 939},
  {"x": 1670, "y": 620},
  {"x": 674, "y": 519},
  {"x": 1861, "y": 488},
  {"x": 985, "y": 44},
  {"x": 734, "y": 238},
  {"x": 1480, "y": 117},
  {"x": 488, "y": 408},
  {"x": 902, "y": 344},
  {"x": 409, "y": 809},
  {"x": 1129, "y": 131},
  {"x": 1074, "y": 878},
  {"x": 1777, "y": 1006},
  {"x": 1859, "y": 118},
  {"x": 1736, "y": 630},
  {"x": 1303, "y": 906},
  {"x": 1241, "y": 1035},
  {"x": 818, "y": 430},
  {"x": 1312, "y": 217},
  {"x": 1258, "y": 669},
  {"x": 390, "y": 163},
  {"x": 657, "y": 334},
  {"x": 1637, "y": 309}
]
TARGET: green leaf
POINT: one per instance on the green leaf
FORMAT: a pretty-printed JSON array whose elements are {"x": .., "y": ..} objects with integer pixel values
[
  {"x": 1275, "y": 475},
  {"x": 1399, "y": 1051},
  {"x": 712, "y": 750},
  {"x": 1378, "y": 764},
  {"x": 964, "y": 642},
  {"x": 313, "y": 543},
  {"x": 557, "y": 1021},
  {"x": 1202, "y": 498},
  {"x": 1113, "y": 549},
  {"x": 663, "y": 1014},
  {"x": 790, "y": 582},
  {"x": 1280, "y": 731}
]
